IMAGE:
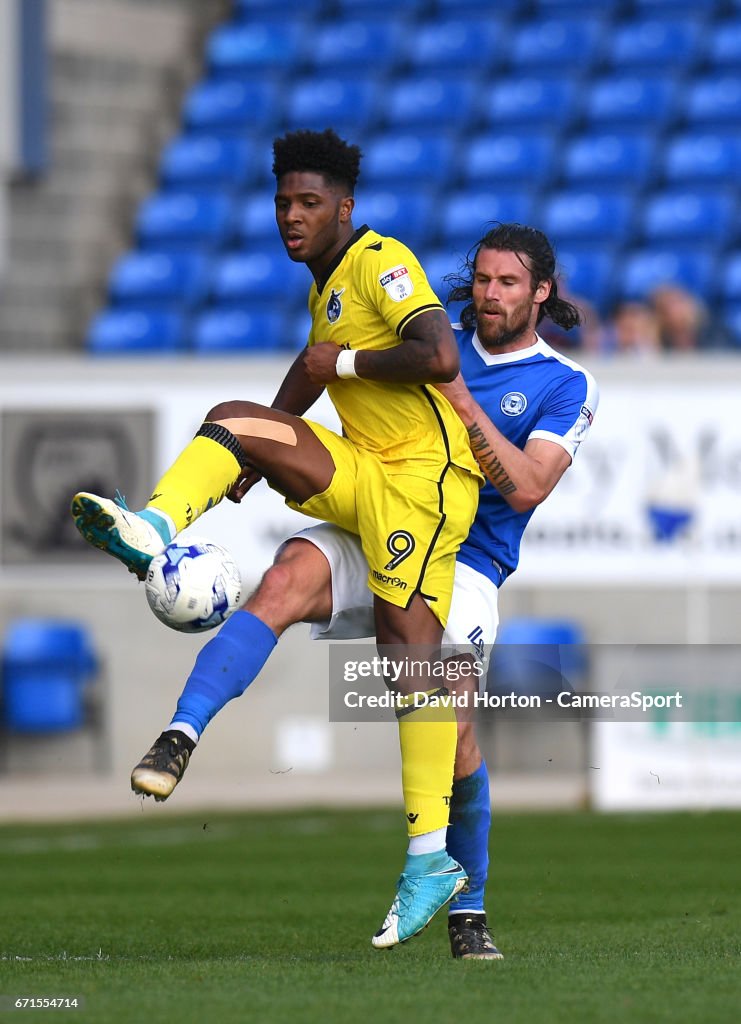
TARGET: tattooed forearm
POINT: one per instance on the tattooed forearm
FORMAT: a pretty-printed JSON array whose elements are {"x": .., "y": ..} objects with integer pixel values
[{"x": 494, "y": 471}]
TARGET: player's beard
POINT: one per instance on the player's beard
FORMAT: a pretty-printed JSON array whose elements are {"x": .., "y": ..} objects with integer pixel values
[{"x": 508, "y": 328}]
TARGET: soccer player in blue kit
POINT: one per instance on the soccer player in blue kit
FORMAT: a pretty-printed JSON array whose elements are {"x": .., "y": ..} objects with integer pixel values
[{"x": 526, "y": 408}]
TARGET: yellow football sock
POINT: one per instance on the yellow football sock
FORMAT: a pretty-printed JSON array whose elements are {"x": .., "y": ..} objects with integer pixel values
[
  {"x": 200, "y": 476},
  {"x": 428, "y": 737}
]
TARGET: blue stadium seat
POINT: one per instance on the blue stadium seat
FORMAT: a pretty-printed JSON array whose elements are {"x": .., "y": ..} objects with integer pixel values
[
  {"x": 588, "y": 215},
  {"x": 263, "y": 45},
  {"x": 384, "y": 8},
  {"x": 703, "y": 156},
  {"x": 642, "y": 270},
  {"x": 655, "y": 43},
  {"x": 159, "y": 279},
  {"x": 184, "y": 218},
  {"x": 689, "y": 215},
  {"x": 193, "y": 160},
  {"x": 571, "y": 8},
  {"x": 535, "y": 656},
  {"x": 724, "y": 44},
  {"x": 228, "y": 330},
  {"x": 403, "y": 157},
  {"x": 263, "y": 275},
  {"x": 255, "y": 218},
  {"x": 339, "y": 101},
  {"x": 507, "y": 157},
  {"x": 456, "y": 43},
  {"x": 429, "y": 100},
  {"x": 664, "y": 7},
  {"x": 466, "y": 213},
  {"x": 463, "y": 8},
  {"x": 355, "y": 44},
  {"x": 714, "y": 100},
  {"x": 732, "y": 321},
  {"x": 231, "y": 104},
  {"x": 524, "y": 100},
  {"x": 406, "y": 214},
  {"x": 250, "y": 9},
  {"x": 629, "y": 99},
  {"x": 557, "y": 41},
  {"x": 46, "y": 667},
  {"x": 438, "y": 263},
  {"x": 587, "y": 271},
  {"x": 731, "y": 277},
  {"x": 135, "y": 331},
  {"x": 608, "y": 156}
]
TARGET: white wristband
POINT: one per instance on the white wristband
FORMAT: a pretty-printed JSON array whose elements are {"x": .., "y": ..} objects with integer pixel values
[{"x": 345, "y": 365}]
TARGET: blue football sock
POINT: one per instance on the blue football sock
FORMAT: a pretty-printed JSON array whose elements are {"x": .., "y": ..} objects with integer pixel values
[
  {"x": 225, "y": 668},
  {"x": 468, "y": 835}
]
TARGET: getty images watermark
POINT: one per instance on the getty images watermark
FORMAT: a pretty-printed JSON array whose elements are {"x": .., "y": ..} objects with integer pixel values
[{"x": 608, "y": 683}]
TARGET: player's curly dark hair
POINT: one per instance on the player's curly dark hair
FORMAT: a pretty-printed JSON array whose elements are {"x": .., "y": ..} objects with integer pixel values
[
  {"x": 322, "y": 152},
  {"x": 519, "y": 239}
]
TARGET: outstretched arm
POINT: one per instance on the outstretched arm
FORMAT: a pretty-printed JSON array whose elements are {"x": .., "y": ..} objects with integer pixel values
[{"x": 524, "y": 477}]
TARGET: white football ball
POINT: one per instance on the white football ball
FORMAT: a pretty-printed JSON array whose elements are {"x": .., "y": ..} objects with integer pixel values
[{"x": 193, "y": 585}]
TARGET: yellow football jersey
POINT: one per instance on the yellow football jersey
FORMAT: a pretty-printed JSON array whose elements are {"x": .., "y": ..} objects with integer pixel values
[{"x": 375, "y": 289}]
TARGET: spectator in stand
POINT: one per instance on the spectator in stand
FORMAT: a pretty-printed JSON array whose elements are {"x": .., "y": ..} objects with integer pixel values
[
  {"x": 684, "y": 322},
  {"x": 633, "y": 330}
]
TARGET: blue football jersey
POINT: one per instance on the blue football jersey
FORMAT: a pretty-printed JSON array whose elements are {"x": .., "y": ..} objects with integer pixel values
[{"x": 535, "y": 392}]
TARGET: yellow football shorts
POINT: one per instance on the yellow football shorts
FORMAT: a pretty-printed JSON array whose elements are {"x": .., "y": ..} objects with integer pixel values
[{"x": 410, "y": 527}]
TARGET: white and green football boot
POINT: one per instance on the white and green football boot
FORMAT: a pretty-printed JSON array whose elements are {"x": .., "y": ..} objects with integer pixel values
[{"x": 109, "y": 525}]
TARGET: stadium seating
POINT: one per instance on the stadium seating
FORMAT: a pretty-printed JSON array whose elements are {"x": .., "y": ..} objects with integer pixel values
[
  {"x": 255, "y": 218},
  {"x": 136, "y": 332},
  {"x": 231, "y": 104},
  {"x": 184, "y": 219},
  {"x": 261, "y": 45},
  {"x": 582, "y": 214},
  {"x": 347, "y": 102},
  {"x": 466, "y": 212},
  {"x": 206, "y": 160},
  {"x": 509, "y": 158},
  {"x": 724, "y": 44},
  {"x": 520, "y": 100},
  {"x": 229, "y": 330},
  {"x": 641, "y": 270},
  {"x": 405, "y": 213},
  {"x": 608, "y": 156},
  {"x": 537, "y": 657},
  {"x": 586, "y": 271},
  {"x": 671, "y": 42},
  {"x": 473, "y": 42},
  {"x": 612, "y": 124},
  {"x": 630, "y": 100},
  {"x": 708, "y": 156},
  {"x": 714, "y": 100},
  {"x": 733, "y": 320},
  {"x": 731, "y": 278},
  {"x": 262, "y": 275},
  {"x": 551, "y": 42},
  {"x": 683, "y": 215},
  {"x": 161, "y": 279},
  {"x": 403, "y": 156},
  {"x": 46, "y": 667},
  {"x": 425, "y": 101}
]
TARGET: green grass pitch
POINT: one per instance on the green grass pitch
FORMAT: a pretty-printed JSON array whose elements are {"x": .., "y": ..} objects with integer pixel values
[{"x": 268, "y": 918}]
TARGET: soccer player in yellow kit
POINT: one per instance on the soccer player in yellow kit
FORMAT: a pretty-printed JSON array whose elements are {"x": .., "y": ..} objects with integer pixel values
[{"x": 402, "y": 477}]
